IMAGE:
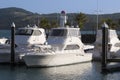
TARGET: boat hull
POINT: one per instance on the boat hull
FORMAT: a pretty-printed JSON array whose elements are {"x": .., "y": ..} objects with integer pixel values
[{"x": 55, "y": 59}]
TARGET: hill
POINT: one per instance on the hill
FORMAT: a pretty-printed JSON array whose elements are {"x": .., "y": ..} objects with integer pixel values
[
  {"x": 20, "y": 16},
  {"x": 23, "y": 17}
]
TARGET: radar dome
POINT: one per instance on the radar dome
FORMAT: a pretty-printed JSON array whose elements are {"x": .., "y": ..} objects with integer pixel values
[{"x": 62, "y": 12}]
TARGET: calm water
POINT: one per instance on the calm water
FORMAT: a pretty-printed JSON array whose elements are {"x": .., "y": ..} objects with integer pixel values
[
  {"x": 84, "y": 71},
  {"x": 5, "y": 33}
]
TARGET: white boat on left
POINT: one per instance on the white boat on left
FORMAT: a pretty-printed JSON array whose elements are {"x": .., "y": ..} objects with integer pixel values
[
  {"x": 25, "y": 39},
  {"x": 4, "y": 41}
]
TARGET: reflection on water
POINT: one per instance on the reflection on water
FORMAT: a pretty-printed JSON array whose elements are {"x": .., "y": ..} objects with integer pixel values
[{"x": 84, "y": 71}]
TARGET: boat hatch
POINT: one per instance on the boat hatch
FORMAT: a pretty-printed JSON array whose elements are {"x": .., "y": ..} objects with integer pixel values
[{"x": 37, "y": 33}]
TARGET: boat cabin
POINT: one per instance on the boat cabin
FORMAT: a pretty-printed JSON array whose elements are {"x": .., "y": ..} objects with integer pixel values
[
  {"x": 64, "y": 38},
  {"x": 30, "y": 35},
  {"x": 62, "y": 32}
]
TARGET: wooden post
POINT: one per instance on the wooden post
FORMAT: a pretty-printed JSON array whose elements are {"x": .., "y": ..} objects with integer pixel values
[
  {"x": 104, "y": 46},
  {"x": 12, "y": 44}
]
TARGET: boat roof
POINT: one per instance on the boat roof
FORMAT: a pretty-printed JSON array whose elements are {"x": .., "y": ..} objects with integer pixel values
[
  {"x": 68, "y": 28},
  {"x": 32, "y": 28},
  {"x": 65, "y": 31},
  {"x": 111, "y": 35}
]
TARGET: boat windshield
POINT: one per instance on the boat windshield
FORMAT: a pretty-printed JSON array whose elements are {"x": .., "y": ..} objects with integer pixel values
[
  {"x": 24, "y": 32},
  {"x": 59, "y": 32},
  {"x": 37, "y": 32}
]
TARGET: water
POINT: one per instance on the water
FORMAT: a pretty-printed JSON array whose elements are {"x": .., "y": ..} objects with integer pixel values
[
  {"x": 84, "y": 71},
  {"x": 5, "y": 33}
]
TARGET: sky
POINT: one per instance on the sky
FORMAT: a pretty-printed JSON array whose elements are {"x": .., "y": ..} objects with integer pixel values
[{"x": 69, "y": 6}]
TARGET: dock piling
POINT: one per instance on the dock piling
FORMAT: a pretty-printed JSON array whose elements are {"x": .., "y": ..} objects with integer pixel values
[
  {"x": 104, "y": 46},
  {"x": 13, "y": 44}
]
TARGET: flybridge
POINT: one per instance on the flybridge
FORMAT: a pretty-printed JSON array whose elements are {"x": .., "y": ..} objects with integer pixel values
[
  {"x": 65, "y": 32},
  {"x": 30, "y": 35},
  {"x": 63, "y": 19}
]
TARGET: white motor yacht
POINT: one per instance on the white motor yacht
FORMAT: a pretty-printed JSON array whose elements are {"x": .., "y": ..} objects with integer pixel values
[
  {"x": 30, "y": 36},
  {"x": 64, "y": 47},
  {"x": 113, "y": 44},
  {"x": 4, "y": 41},
  {"x": 25, "y": 38}
]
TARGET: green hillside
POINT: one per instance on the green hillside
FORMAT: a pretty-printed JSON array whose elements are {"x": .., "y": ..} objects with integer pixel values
[{"x": 23, "y": 17}]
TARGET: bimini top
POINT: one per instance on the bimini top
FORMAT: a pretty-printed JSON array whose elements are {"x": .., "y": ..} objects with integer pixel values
[{"x": 62, "y": 32}]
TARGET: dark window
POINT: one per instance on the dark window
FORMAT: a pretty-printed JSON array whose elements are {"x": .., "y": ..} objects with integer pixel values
[
  {"x": 37, "y": 32},
  {"x": 72, "y": 47},
  {"x": 24, "y": 32},
  {"x": 59, "y": 32}
]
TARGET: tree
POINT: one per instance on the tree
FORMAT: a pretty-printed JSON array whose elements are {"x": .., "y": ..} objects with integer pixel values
[
  {"x": 118, "y": 23},
  {"x": 110, "y": 22},
  {"x": 44, "y": 23},
  {"x": 81, "y": 19},
  {"x": 53, "y": 24}
]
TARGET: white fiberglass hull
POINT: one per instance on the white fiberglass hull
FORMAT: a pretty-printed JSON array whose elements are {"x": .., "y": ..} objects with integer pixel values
[{"x": 55, "y": 59}]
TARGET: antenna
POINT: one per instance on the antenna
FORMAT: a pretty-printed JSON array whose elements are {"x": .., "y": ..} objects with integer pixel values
[{"x": 97, "y": 16}]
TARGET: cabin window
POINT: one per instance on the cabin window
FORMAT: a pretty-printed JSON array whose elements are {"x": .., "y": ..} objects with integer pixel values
[
  {"x": 73, "y": 33},
  {"x": 59, "y": 32},
  {"x": 37, "y": 32},
  {"x": 24, "y": 32},
  {"x": 72, "y": 47},
  {"x": 117, "y": 44}
]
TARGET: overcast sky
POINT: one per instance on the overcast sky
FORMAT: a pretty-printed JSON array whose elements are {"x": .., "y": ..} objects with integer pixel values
[{"x": 70, "y": 6}]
